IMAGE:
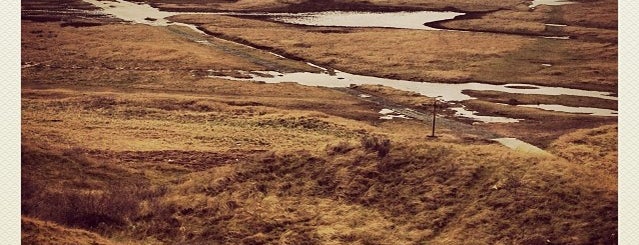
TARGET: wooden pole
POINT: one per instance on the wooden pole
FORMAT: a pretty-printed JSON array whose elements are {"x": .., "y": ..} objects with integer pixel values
[{"x": 434, "y": 116}]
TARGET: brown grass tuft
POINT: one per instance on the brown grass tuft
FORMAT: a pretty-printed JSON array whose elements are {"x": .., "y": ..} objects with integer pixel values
[{"x": 378, "y": 144}]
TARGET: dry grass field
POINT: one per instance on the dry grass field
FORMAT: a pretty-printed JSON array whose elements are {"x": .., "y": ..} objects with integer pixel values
[
  {"x": 126, "y": 141},
  {"x": 39, "y": 232}
]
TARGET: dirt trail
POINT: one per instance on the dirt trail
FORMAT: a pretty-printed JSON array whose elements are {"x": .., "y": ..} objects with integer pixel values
[
  {"x": 521, "y": 146},
  {"x": 254, "y": 55}
]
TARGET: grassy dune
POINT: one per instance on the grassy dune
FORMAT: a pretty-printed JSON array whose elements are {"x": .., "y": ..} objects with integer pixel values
[
  {"x": 417, "y": 192},
  {"x": 41, "y": 232},
  {"x": 595, "y": 148},
  {"x": 157, "y": 121}
]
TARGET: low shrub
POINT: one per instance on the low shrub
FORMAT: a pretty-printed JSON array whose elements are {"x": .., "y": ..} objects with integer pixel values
[{"x": 377, "y": 144}]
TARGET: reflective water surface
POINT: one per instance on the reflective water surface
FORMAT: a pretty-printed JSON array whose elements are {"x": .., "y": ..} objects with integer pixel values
[
  {"x": 404, "y": 20},
  {"x": 536, "y": 3}
]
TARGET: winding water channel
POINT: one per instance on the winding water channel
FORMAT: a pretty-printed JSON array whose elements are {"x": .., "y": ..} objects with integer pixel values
[
  {"x": 145, "y": 14},
  {"x": 444, "y": 91}
]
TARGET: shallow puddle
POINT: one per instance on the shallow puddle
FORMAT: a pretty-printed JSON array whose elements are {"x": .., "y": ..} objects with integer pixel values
[
  {"x": 386, "y": 111},
  {"x": 555, "y": 25},
  {"x": 390, "y": 117},
  {"x": 403, "y": 20},
  {"x": 536, "y": 3},
  {"x": 389, "y": 114},
  {"x": 464, "y": 113}
]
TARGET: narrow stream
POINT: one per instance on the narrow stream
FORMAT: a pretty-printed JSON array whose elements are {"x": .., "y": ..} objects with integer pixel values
[{"x": 145, "y": 14}]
